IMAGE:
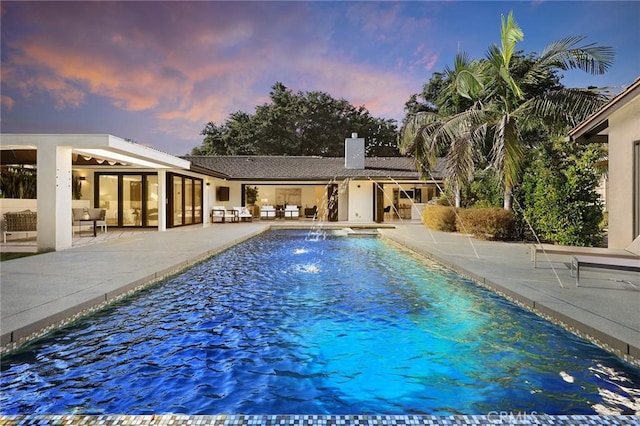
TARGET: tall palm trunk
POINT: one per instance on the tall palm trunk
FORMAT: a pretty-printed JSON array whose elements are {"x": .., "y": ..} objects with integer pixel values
[{"x": 508, "y": 196}]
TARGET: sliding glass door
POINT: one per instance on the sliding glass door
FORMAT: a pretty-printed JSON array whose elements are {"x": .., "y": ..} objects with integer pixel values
[
  {"x": 131, "y": 199},
  {"x": 185, "y": 200}
]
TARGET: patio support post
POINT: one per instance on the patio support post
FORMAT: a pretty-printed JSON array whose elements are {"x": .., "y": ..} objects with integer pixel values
[
  {"x": 54, "y": 197},
  {"x": 162, "y": 200}
]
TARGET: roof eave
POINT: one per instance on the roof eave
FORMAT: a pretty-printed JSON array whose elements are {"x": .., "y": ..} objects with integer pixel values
[{"x": 598, "y": 121}]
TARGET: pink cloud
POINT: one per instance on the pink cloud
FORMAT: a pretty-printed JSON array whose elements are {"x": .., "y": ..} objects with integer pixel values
[
  {"x": 7, "y": 102},
  {"x": 189, "y": 63}
]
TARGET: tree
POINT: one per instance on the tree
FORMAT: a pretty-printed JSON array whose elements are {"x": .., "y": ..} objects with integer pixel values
[
  {"x": 235, "y": 137},
  {"x": 509, "y": 95},
  {"x": 504, "y": 109},
  {"x": 303, "y": 123},
  {"x": 441, "y": 127},
  {"x": 559, "y": 192}
]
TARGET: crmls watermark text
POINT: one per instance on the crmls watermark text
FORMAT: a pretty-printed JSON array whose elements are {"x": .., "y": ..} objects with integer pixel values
[{"x": 510, "y": 417}]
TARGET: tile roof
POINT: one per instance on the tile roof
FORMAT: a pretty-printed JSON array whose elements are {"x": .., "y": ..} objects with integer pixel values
[{"x": 248, "y": 167}]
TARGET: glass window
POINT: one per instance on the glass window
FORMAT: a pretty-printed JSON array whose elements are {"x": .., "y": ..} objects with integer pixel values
[
  {"x": 152, "y": 200},
  {"x": 177, "y": 200},
  {"x": 108, "y": 197},
  {"x": 132, "y": 200},
  {"x": 197, "y": 203},
  {"x": 188, "y": 201}
]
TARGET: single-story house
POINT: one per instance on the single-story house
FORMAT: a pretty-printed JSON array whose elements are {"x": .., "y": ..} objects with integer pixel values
[
  {"x": 617, "y": 123},
  {"x": 141, "y": 187}
]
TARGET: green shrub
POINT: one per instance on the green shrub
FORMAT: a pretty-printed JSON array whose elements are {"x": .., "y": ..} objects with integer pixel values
[
  {"x": 439, "y": 218},
  {"x": 487, "y": 223},
  {"x": 560, "y": 197}
]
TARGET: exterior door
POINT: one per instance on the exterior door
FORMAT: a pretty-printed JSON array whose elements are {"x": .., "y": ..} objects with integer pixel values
[
  {"x": 185, "y": 200},
  {"x": 130, "y": 199}
]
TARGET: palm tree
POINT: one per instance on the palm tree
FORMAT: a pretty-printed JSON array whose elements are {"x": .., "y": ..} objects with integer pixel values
[
  {"x": 501, "y": 108},
  {"x": 505, "y": 110},
  {"x": 428, "y": 135}
]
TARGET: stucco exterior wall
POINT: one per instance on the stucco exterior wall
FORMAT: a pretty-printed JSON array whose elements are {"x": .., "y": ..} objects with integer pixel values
[
  {"x": 361, "y": 201},
  {"x": 624, "y": 129}
]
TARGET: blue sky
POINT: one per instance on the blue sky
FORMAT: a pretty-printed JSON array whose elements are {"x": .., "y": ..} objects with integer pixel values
[{"x": 157, "y": 72}]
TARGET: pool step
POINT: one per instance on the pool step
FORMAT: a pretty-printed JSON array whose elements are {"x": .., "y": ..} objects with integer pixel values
[{"x": 361, "y": 232}]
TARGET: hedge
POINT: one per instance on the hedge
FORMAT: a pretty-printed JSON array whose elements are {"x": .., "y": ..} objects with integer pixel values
[
  {"x": 439, "y": 218},
  {"x": 487, "y": 223}
]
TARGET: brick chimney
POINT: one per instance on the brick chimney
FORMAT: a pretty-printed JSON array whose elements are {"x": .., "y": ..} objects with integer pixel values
[{"x": 354, "y": 152}]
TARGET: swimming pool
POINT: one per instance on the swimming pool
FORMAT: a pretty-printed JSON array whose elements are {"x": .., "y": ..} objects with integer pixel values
[{"x": 291, "y": 322}]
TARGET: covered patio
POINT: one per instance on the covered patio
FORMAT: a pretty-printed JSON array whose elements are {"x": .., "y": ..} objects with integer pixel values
[{"x": 59, "y": 158}]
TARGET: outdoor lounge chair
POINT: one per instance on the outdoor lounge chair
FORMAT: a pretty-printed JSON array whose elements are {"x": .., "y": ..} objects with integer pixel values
[
  {"x": 611, "y": 263},
  {"x": 218, "y": 213},
  {"x": 267, "y": 212},
  {"x": 291, "y": 212},
  {"x": 631, "y": 252},
  {"x": 243, "y": 214}
]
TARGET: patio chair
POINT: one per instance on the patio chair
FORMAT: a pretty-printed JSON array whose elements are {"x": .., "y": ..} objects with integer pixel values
[
  {"x": 387, "y": 212},
  {"x": 243, "y": 214},
  {"x": 291, "y": 212},
  {"x": 630, "y": 252},
  {"x": 267, "y": 212},
  {"x": 310, "y": 213},
  {"x": 100, "y": 215},
  {"x": 218, "y": 213}
]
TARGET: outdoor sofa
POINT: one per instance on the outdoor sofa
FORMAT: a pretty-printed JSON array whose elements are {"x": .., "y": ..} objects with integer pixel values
[{"x": 24, "y": 221}]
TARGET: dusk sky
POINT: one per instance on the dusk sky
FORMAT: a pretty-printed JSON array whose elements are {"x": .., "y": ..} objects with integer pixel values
[{"x": 157, "y": 72}]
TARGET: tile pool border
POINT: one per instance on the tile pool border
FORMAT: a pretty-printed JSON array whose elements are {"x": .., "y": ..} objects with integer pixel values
[{"x": 497, "y": 418}]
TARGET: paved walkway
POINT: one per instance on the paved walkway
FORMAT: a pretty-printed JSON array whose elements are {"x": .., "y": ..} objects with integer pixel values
[{"x": 40, "y": 291}]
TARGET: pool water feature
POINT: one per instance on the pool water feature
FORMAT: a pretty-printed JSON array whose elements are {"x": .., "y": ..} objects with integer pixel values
[{"x": 288, "y": 322}]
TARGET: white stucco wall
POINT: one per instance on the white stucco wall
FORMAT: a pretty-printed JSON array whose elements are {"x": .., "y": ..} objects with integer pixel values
[
  {"x": 624, "y": 129},
  {"x": 360, "y": 201}
]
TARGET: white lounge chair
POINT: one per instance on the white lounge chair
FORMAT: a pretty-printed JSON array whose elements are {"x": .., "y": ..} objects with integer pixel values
[
  {"x": 291, "y": 212},
  {"x": 600, "y": 262},
  {"x": 243, "y": 214},
  {"x": 218, "y": 213},
  {"x": 267, "y": 212},
  {"x": 631, "y": 252}
]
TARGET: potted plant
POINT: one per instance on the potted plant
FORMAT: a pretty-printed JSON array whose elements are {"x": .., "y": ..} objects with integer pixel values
[{"x": 251, "y": 192}]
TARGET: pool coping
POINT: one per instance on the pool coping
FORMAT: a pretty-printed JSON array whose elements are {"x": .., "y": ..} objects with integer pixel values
[{"x": 495, "y": 418}]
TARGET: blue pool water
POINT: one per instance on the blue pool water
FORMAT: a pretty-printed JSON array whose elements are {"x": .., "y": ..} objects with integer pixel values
[{"x": 291, "y": 323}]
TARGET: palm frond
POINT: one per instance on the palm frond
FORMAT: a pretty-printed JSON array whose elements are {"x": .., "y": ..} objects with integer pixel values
[
  {"x": 566, "y": 54},
  {"x": 508, "y": 152},
  {"x": 420, "y": 137},
  {"x": 510, "y": 35},
  {"x": 563, "y": 107}
]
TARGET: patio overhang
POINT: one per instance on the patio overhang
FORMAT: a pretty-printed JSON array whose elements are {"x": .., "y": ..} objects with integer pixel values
[
  {"x": 56, "y": 155},
  {"x": 93, "y": 150}
]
